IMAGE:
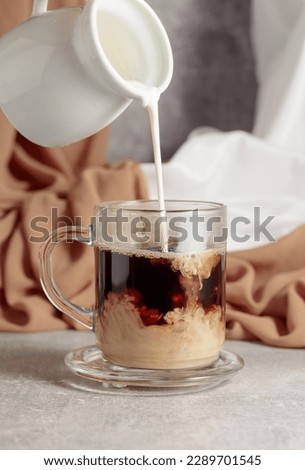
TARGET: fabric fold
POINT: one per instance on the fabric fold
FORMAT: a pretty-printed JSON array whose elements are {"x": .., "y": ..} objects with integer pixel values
[
  {"x": 266, "y": 292},
  {"x": 32, "y": 214}
]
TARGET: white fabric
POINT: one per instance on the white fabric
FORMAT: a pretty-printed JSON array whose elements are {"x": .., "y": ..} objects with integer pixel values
[
  {"x": 278, "y": 35},
  {"x": 265, "y": 169}
]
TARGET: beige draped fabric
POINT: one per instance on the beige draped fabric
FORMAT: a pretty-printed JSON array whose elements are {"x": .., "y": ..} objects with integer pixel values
[{"x": 266, "y": 292}]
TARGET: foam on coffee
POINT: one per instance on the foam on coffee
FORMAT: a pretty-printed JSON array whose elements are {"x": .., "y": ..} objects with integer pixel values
[{"x": 187, "y": 262}]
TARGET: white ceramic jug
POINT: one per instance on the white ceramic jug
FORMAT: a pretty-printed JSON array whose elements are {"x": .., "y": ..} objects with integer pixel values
[{"x": 67, "y": 73}]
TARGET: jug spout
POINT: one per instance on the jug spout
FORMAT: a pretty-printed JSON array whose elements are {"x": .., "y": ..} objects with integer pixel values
[
  {"x": 124, "y": 42},
  {"x": 67, "y": 73}
]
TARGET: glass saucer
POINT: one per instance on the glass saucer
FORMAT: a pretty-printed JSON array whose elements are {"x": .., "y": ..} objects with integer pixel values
[{"x": 88, "y": 362}]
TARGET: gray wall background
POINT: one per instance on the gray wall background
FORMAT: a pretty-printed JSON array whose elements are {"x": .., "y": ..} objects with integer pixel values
[{"x": 214, "y": 81}]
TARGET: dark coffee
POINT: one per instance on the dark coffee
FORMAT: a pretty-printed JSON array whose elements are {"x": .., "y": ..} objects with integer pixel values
[
  {"x": 160, "y": 310},
  {"x": 152, "y": 283}
]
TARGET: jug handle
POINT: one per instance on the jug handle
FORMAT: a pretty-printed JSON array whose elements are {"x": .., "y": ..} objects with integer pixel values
[{"x": 40, "y": 7}]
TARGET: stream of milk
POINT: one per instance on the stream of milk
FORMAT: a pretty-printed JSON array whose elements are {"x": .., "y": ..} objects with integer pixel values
[{"x": 150, "y": 100}]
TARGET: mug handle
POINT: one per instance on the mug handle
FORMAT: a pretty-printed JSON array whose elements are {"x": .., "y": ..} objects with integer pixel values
[
  {"x": 83, "y": 315},
  {"x": 39, "y": 7}
]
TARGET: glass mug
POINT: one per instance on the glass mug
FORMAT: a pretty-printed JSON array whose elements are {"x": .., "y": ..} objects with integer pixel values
[{"x": 159, "y": 282}]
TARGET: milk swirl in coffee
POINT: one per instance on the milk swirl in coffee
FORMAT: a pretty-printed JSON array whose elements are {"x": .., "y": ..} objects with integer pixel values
[{"x": 160, "y": 310}]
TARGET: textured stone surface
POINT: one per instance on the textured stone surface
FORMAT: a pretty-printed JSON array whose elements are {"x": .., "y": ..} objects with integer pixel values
[
  {"x": 41, "y": 408},
  {"x": 214, "y": 80}
]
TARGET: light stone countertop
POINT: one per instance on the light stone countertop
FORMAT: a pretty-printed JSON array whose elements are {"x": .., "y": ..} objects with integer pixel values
[{"x": 262, "y": 407}]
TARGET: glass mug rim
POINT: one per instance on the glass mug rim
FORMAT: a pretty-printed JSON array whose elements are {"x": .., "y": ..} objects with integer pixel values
[{"x": 172, "y": 206}]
